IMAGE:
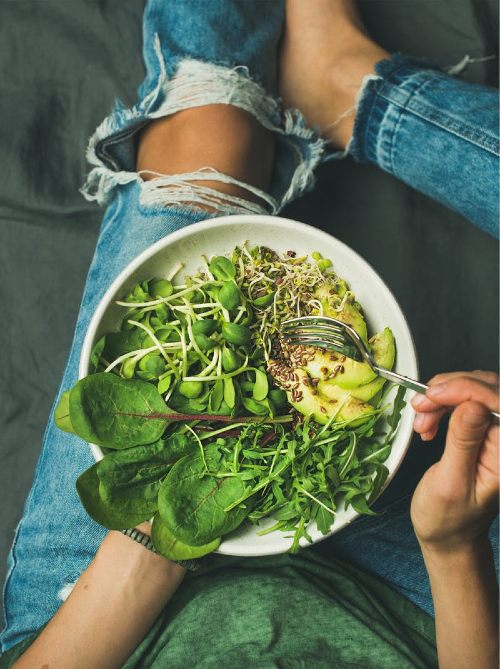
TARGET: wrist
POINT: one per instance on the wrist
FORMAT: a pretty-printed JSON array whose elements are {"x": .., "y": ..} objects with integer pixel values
[
  {"x": 457, "y": 555},
  {"x": 134, "y": 563}
]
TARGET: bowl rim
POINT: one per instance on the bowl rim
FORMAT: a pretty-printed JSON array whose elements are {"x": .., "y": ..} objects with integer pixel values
[{"x": 258, "y": 220}]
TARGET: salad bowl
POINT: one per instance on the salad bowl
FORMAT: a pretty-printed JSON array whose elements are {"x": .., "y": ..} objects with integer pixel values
[{"x": 218, "y": 237}]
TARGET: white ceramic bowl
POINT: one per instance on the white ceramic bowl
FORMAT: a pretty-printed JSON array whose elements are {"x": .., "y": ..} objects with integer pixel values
[{"x": 219, "y": 236}]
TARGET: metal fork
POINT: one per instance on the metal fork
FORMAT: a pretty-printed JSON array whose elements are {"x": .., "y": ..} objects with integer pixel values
[{"x": 329, "y": 333}]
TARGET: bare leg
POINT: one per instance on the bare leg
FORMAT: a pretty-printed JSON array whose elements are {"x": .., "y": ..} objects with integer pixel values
[
  {"x": 223, "y": 137},
  {"x": 326, "y": 54}
]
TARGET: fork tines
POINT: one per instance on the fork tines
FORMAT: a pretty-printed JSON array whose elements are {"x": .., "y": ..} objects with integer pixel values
[
  {"x": 301, "y": 340},
  {"x": 314, "y": 331}
]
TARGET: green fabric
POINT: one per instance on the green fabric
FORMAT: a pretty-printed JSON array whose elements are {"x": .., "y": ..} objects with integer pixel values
[{"x": 285, "y": 612}]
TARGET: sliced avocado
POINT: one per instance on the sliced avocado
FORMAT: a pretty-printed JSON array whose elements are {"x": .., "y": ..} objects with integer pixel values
[
  {"x": 384, "y": 352},
  {"x": 339, "y": 404},
  {"x": 352, "y": 316},
  {"x": 367, "y": 392},
  {"x": 349, "y": 374},
  {"x": 350, "y": 312},
  {"x": 383, "y": 348}
]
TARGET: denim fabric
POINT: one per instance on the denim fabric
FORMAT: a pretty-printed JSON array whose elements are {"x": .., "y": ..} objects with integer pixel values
[
  {"x": 434, "y": 132},
  {"x": 198, "y": 53},
  {"x": 56, "y": 540}
]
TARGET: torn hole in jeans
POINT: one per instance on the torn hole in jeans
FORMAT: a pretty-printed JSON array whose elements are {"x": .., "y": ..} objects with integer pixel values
[
  {"x": 186, "y": 189},
  {"x": 112, "y": 155}
]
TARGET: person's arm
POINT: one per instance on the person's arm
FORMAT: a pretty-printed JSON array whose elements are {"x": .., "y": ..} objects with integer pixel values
[
  {"x": 452, "y": 509},
  {"x": 112, "y": 606}
]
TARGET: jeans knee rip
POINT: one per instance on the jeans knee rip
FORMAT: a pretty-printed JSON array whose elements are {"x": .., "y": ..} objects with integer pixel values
[
  {"x": 180, "y": 189},
  {"x": 111, "y": 149}
]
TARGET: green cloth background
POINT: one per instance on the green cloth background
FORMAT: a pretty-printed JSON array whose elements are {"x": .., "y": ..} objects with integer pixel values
[
  {"x": 283, "y": 612},
  {"x": 62, "y": 63}
]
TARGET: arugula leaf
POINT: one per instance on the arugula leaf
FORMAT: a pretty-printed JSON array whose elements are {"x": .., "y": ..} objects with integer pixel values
[{"x": 394, "y": 418}]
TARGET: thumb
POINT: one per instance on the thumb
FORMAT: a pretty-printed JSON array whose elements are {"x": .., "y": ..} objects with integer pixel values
[{"x": 467, "y": 429}]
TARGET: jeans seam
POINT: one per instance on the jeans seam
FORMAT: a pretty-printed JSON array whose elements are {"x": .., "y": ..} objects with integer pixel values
[
  {"x": 400, "y": 107},
  {"x": 421, "y": 110}
]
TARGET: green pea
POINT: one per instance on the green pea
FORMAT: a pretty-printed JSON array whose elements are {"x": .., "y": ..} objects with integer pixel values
[
  {"x": 264, "y": 300},
  {"x": 206, "y": 327},
  {"x": 236, "y": 334},
  {"x": 204, "y": 342},
  {"x": 230, "y": 360},
  {"x": 190, "y": 389},
  {"x": 222, "y": 268},
  {"x": 316, "y": 255},
  {"x": 160, "y": 288}
]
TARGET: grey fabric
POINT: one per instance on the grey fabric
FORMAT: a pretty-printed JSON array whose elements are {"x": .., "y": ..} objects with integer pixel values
[{"x": 62, "y": 65}]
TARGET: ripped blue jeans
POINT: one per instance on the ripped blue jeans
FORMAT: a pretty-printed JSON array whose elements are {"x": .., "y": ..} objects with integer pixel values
[{"x": 213, "y": 62}]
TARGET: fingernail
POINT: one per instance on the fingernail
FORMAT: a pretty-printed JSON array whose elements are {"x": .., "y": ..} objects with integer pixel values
[
  {"x": 417, "y": 400},
  {"x": 419, "y": 421},
  {"x": 474, "y": 419},
  {"x": 432, "y": 391}
]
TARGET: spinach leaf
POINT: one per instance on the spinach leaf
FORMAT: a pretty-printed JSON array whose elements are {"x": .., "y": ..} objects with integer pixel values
[
  {"x": 105, "y": 514},
  {"x": 172, "y": 548},
  {"x": 61, "y": 413},
  {"x": 130, "y": 479},
  {"x": 191, "y": 503},
  {"x": 109, "y": 411}
]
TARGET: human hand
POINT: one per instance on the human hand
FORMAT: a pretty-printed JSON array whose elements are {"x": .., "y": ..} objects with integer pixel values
[{"x": 457, "y": 498}]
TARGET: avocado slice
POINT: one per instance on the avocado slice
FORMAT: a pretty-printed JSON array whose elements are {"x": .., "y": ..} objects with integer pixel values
[
  {"x": 383, "y": 349},
  {"x": 342, "y": 371},
  {"x": 350, "y": 313},
  {"x": 339, "y": 403}
]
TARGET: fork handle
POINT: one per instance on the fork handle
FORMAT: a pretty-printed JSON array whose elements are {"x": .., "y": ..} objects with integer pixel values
[
  {"x": 400, "y": 379},
  {"x": 412, "y": 384}
]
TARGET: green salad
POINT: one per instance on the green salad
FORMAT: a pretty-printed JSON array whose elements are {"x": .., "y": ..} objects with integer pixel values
[{"x": 208, "y": 419}]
